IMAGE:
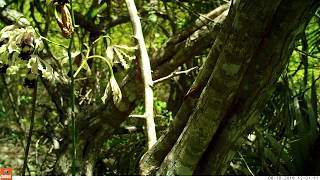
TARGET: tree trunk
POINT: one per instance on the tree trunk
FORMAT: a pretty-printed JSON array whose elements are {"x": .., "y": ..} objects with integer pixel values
[
  {"x": 253, "y": 49},
  {"x": 97, "y": 124}
]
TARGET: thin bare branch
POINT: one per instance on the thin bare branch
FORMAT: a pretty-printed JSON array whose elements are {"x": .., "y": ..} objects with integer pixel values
[
  {"x": 137, "y": 116},
  {"x": 304, "y": 53},
  {"x": 173, "y": 74},
  {"x": 144, "y": 63}
]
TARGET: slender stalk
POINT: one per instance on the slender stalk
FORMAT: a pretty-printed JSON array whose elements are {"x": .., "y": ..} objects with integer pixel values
[
  {"x": 44, "y": 38},
  {"x": 105, "y": 59},
  {"x": 26, "y": 152},
  {"x": 173, "y": 74},
  {"x": 144, "y": 63},
  {"x": 245, "y": 162},
  {"x": 305, "y": 53},
  {"x": 73, "y": 123}
]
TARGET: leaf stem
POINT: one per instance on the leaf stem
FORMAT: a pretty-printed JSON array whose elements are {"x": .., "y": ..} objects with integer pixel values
[{"x": 103, "y": 58}]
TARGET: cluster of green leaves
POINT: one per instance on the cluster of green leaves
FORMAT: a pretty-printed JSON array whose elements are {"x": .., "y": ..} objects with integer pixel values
[
  {"x": 12, "y": 38},
  {"x": 122, "y": 153}
]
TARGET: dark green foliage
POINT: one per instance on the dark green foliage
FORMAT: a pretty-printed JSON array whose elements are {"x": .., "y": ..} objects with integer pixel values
[{"x": 284, "y": 141}]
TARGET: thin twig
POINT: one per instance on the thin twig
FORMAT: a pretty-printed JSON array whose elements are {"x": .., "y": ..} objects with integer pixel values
[
  {"x": 173, "y": 74},
  {"x": 52, "y": 42},
  {"x": 306, "y": 89},
  {"x": 307, "y": 54},
  {"x": 246, "y": 164},
  {"x": 194, "y": 12},
  {"x": 26, "y": 153},
  {"x": 144, "y": 63},
  {"x": 137, "y": 116}
]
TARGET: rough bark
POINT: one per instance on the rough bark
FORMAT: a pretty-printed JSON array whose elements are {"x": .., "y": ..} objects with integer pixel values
[
  {"x": 257, "y": 85},
  {"x": 152, "y": 159},
  {"x": 252, "y": 57}
]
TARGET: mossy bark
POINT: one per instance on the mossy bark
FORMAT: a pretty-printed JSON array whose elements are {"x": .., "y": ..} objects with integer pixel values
[{"x": 260, "y": 37}]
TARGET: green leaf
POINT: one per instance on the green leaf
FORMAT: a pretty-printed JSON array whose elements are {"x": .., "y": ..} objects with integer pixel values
[
  {"x": 274, "y": 144},
  {"x": 110, "y": 53},
  {"x": 116, "y": 92},
  {"x": 121, "y": 59},
  {"x": 47, "y": 71},
  {"x": 12, "y": 70},
  {"x": 4, "y": 56},
  {"x": 126, "y": 47},
  {"x": 33, "y": 65},
  {"x": 98, "y": 10},
  {"x": 153, "y": 18},
  {"x": 2, "y": 3}
]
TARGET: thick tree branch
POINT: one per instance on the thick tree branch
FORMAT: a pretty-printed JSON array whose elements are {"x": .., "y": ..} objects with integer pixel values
[
  {"x": 153, "y": 158},
  {"x": 259, "y": 63},
  {"x": 173, "y": 45},
  {"x": 220, "y": 90}
]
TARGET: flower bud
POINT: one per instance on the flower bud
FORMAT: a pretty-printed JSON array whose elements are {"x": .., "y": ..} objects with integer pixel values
[
  {"x": 27, "y": 46},
  {"x": 65, "y": 22}
]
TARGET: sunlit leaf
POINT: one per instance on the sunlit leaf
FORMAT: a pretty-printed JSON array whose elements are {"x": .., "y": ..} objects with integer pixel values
[
  {"x": 121, "y": 59},
  {"x": 110, "y": 53},
  {"x": 2, "y": 3},
  {"x": 153, "y": 18},
  {"x": 12, "y": 70},
  {"x": 33, "y": 65},
  {"x": 116, "y": 92},
  {"x": 126, "y": 47}
]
